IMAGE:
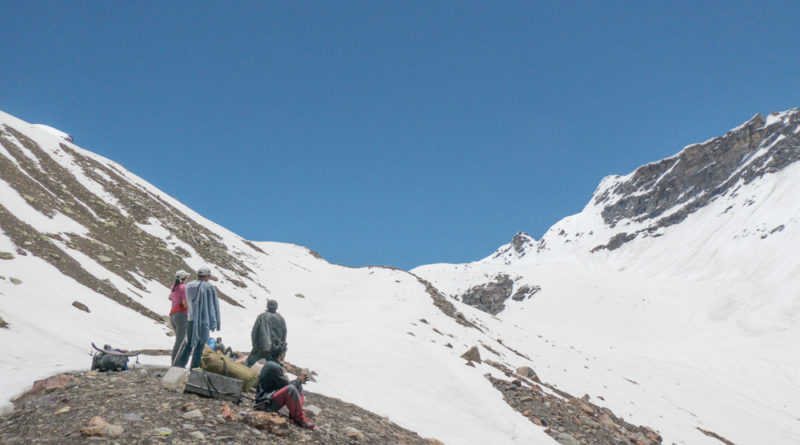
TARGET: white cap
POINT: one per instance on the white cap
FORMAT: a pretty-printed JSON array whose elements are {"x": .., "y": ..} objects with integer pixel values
[
  {"x": 181, "y": 274},
  {"x": 203, "y": 272}
]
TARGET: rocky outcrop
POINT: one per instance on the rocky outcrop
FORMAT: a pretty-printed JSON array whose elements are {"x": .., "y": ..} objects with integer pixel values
[
  {"x": 444, "y": 305},
  {"x": 519, "y": 246},
  {"x": 525, "y": 292},
  {"x": 490, "y": 297},
  {"x": 567, "y": 419}
]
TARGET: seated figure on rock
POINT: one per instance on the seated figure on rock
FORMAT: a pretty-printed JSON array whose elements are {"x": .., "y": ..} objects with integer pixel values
[{"x": 276, "y": 391}]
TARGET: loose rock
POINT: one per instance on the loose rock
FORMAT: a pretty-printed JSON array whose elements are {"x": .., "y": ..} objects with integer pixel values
[
  {"x": 164, "y": 431},
  {"x": 313, "y": 410},
  {"x": 473, "y": 355},
  {"x": 194, "y": 414},
  {"x": 526, "y": 372},
  {"x": 353, "y": 434},
  {"x": 81, "y": 306},
  {"x": 99, "y": 427},
  {"x": 228, "y": 414},
  {"x": 132, "y": 417},
  {"x": 566, "y": 439},
  {"x": 45, "y": 386}
]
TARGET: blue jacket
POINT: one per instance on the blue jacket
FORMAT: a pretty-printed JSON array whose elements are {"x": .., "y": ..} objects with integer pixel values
[{"x": 204, "y": 305}]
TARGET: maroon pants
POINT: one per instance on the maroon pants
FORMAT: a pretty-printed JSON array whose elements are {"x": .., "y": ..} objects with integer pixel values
[{"x": 291, "y": 398}]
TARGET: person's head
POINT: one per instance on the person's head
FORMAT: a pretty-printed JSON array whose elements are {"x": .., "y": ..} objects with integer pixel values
[
  {"x": 203, "y": 273},
  {"x": 272, "y": 306},
  {"x": 180, "y": 278},
  {"x": 278, "y": 352}
]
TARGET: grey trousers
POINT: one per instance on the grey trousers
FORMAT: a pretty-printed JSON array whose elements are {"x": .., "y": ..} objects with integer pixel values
[{"x": 179, "y": 321}]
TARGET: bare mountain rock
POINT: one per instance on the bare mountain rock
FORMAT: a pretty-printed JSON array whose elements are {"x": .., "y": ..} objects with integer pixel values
[{"x": 490, "y": 297}]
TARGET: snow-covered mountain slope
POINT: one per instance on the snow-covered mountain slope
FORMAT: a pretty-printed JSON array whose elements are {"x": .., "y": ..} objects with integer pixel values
[
  {"x": 88, "y": 250},
  {"x": 681, "y": 276}
]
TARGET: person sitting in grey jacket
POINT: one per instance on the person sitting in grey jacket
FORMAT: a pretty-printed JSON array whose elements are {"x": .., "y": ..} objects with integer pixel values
[{"x": 269, "y": 331}]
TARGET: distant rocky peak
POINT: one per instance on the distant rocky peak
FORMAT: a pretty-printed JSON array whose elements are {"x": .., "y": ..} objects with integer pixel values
[
  {"x": 520, "y": 245},
  {"x": 663, "y": 193},
  {"x": 521, "y": 242}
]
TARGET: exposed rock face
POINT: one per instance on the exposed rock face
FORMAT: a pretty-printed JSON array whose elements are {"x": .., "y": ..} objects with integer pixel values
[
  {"x": 490, "y": 297},
  {"x": 517, "y": 248},
  {"x": 521, "y": 241},
  {"x": 525, "y": 292},
  {"x": 664, "y": 193},
  {"x": 444, "y": 305},
  {"x": 570, "y": 420}
]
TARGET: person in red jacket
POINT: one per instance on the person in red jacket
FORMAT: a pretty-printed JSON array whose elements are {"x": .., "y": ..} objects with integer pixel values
[{"x": 180, "y": 309}]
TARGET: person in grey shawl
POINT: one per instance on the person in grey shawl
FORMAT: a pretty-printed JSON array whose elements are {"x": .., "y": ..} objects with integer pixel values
[
  {"x": 203, "y": 318},
  {"x": 269, "y": 331}
]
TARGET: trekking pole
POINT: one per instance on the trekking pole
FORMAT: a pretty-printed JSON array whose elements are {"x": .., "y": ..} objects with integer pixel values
[{"x": 178, "y": 354}]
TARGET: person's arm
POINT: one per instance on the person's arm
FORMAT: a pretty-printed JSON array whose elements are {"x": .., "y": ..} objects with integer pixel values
[
  {"x": 184, "y": 299},
  {"x": 284, "y": 381},
  {"x": 215, "y": 300},
  {"x": 298, "y": 382}
]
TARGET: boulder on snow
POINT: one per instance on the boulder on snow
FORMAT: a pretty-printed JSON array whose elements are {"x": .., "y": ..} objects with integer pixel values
[
  {"x": 473, "y": 355},
  {"x": 81, "y": 306},
  {"x": 526, "y": 371}
]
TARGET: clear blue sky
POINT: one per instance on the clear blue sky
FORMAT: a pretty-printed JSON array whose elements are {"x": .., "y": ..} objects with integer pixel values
[{"x": 399, "y": 133}]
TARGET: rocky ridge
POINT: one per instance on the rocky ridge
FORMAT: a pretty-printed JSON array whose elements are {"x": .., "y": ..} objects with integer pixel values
[{"x": 664, "y": 193}]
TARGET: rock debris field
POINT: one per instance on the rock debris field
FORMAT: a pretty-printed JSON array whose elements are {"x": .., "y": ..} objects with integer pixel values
[{"x": 131, "y": 407}]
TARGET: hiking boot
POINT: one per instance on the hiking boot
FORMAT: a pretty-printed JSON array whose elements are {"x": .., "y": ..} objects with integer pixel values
[{"x": 306, "y": 424}]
